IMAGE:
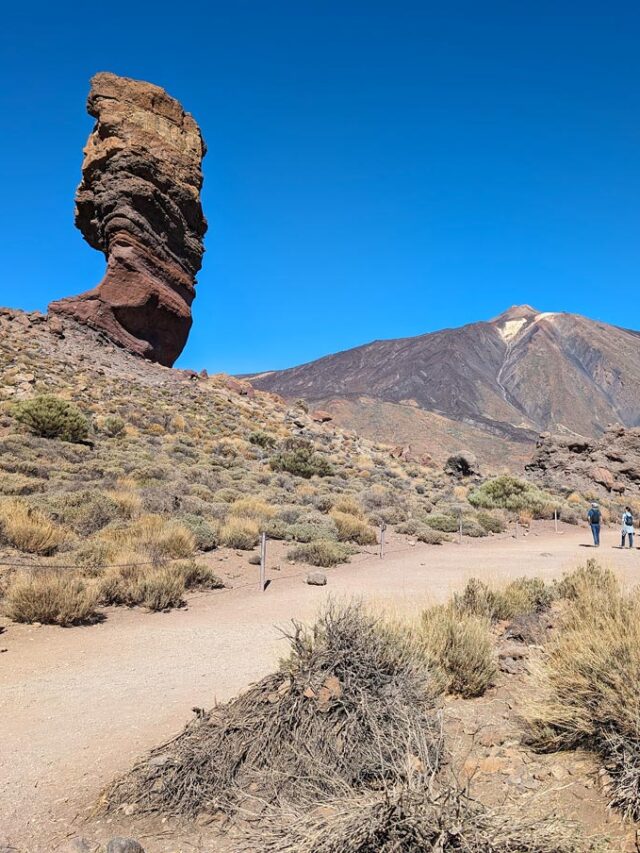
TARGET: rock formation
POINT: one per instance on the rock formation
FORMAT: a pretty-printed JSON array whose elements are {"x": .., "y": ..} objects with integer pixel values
[
  {"x": 603, "y": 466},
  {"x": 139, "y": 203}
]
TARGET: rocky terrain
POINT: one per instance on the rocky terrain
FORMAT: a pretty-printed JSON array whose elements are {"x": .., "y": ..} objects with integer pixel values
[
  {"x": 139, "y": 203},
  {"x": 494, "y": 386},
  {"x": 606, "y": 466}
]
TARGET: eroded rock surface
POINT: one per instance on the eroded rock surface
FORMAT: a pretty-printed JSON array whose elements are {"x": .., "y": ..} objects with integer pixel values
[
  {"x": 607, "y": 465},
  {"x": 139, "y": 203}
]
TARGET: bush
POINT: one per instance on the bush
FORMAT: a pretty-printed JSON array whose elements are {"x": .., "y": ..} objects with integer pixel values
[
  {"x": 156, "y": 537},
  {"x": 521, "y": 597},
  {"x": 459, "y": 645},
  {"x": 85, "y": 512},
  {"x": 51, "y": 597},
  {"x": 353, "y": 529},
  {"x": 134, "y": 582},
  {"x": 511, "y": 493},
  {"x": 444, "y": 523},
  {"x": 49, "y": 417},
  {"x": 262, "y": 439},
  {"x": 28, "y": 529},
  {"x": 162, "y": 588},
  {"x": 491, "y": 523},
  {"x": 590, "y": 579},
  {"x": 197, "y": 576},
  {"x": 205, "y": 535},
  {"x": 241, "y": 533},
  {"x": 113, "y": 426},
  {"x": 422, "y": 533},
  {"x": 301, "y": 460},
  {"x": 321, "y": 552},
  {"x": 254, "y": 508}
]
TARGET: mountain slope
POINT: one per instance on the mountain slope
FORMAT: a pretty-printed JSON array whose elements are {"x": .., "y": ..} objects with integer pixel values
[{"x": 521, "y": 373}]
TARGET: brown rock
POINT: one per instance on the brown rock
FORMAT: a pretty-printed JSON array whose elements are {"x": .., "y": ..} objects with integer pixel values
[
  {"x": 602, "y": 476},
  {"x": 139, "y": 203},
  {"x": 321, "y": 417}
]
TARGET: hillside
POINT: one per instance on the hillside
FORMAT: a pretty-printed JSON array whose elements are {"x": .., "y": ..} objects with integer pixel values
[{"x": 497, "y": 384}]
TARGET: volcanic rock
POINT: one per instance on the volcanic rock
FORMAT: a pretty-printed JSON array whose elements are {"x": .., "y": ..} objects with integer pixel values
[
  {"x": 139, "y": 203},
  {"x": 606, "y": 465}
]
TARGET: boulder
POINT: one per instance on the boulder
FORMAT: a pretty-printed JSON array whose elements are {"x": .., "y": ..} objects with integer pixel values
[
  {"x": 462, "y": 465},
  {"x": 317, "y": 579},
  {"x": 139, "y": 203},
  {"x": 321, "y": 417}
]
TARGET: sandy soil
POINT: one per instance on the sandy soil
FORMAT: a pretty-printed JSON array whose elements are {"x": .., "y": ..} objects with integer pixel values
[{"x": 79, "y": 705}]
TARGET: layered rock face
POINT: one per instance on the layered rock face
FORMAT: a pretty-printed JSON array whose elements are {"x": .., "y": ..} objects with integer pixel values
[
  {"x": 607, "y": 465},
  {"x": 139, "y": 203}
]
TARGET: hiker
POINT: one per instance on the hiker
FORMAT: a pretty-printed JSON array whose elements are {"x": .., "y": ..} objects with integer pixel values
[
  {"x": 627, "y": 526},
  {"x": 594, "y": 520}
]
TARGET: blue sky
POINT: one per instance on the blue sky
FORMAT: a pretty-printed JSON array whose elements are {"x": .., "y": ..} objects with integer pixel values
[{"x": 375, "y": 169}]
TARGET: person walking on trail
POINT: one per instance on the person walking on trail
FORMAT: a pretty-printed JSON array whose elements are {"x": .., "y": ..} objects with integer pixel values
[
  {"x": 594, "y": 520},
  {"x": 627, "y": 526}
]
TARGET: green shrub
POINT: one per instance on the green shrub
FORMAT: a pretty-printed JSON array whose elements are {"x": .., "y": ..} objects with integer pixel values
[
  {"x": 520, "y": 597},
  {"x": 205, "y": 535},
  {"x": 459, "y": 645},
  {"x": 321, "y": 552},
  {"x": 301, "y": 460},
  {"x": 511, "y": 493},
  {"x": 491, "y": 523},
  {"x": 444, "y": 523},
  {"x": 262, "y": 439},
  {"x": 50, "y": 417},
  {"x": 198, "y": 576},
  {"x": 85, "y": 512},
  {"x": 113, "y": 426}
]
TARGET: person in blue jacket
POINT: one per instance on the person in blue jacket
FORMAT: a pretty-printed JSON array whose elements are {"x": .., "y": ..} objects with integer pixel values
[
  {"x": 627, "y": 526},
  {"x": 594, "y": 520}
]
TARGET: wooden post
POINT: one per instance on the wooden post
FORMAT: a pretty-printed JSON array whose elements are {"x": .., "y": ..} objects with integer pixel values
[
  {"x": 263, "y": 561},
  {"x": 460, "y": 527},
  {"x": 383, "y": 527},
  {"x": 555, "y": 518},
  {"x": 517, "y": 528}
]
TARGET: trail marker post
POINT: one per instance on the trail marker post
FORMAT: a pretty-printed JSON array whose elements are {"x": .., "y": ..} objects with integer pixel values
[
  {"x": 555, "y": 518},
  {"x": 383, "y": 527},
  {"x": 263, "y": 561},
  {"x": 460, "y": 527},
  {"x": 517, "y": 529}
]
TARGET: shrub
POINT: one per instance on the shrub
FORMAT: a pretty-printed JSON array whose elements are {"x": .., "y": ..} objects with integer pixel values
[
  {"x": 431, "y": 537},
  {"x": 241, "y": 533},
  {"x": 253, "y": 508},
  {"x": 158, "y": 538},
  {"x": 511, "y": 493},
  {"x": 321, "y": 552},
  {"x": 28, "y": 529},
  {"x": 205, "y": 535},
  {"x": 353, "y": 529},
  {"x": 590, "y": 579},
  {"x": 113, "y": 426},
  {"x": 491, "y": 523},
  {"x": 51, "y": 597},
  {"x": 444, "y": 523},
  {"x": 49, "y": 417},
  {"x": 162, "y": 588},
  {"x": 198, "y": 576},
  {"x": 262, "y": 439},
  {"x": 459, "y": 644},
  {"x": 85, "y": 512},
  {"x": 348, "y": 505},
  {"x": 521, "y": 597},
  {"x": 133, "y": 582},
  {"x": 301, "y": 460}
]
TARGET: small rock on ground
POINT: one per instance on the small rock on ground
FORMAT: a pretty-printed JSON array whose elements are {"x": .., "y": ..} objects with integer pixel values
[
  {"x": 316, "y": 578},
  {"x": 124, "y": 845}
]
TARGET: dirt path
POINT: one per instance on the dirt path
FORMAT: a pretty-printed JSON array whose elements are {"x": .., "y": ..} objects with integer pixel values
[{"x": 77, "y": 706}]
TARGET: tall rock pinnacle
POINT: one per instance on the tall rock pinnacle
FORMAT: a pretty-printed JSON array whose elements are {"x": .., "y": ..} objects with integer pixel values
[{"x": 139, "y": 203}]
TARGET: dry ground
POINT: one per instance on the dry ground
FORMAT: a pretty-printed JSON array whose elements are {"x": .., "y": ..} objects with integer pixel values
[{"x": 79, "y": 705}]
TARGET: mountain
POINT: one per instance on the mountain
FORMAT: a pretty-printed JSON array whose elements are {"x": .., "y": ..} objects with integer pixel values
[{"x": 489, "y": 386}]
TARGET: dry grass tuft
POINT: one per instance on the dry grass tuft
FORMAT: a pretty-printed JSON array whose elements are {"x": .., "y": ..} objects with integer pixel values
[
  {"x": 321, "y": 552},
  {"x": 241, "y": 533},
  {"x": 353, "y": 529},
  {"x": 459, "y": 645},
  {"x": 51, "y": 597},
  {"x": 345, "y": 708},
  {"x": 28, "y": 529},
  {"x": 158, "y": 538},
  {"x": 589, "y": 681}
]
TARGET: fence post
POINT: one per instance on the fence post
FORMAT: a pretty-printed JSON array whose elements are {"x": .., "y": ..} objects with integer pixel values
[
  {"x": 555, "y": 518},
  {"x": 517, "y": 528},
  {"x": 460, "y": 527},
  {"x": 383, "y": 527},
  {"x": 263, "y": 561}
]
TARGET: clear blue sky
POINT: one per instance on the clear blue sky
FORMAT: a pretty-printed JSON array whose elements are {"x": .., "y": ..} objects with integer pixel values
[{"x": 375, "y": 169}]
